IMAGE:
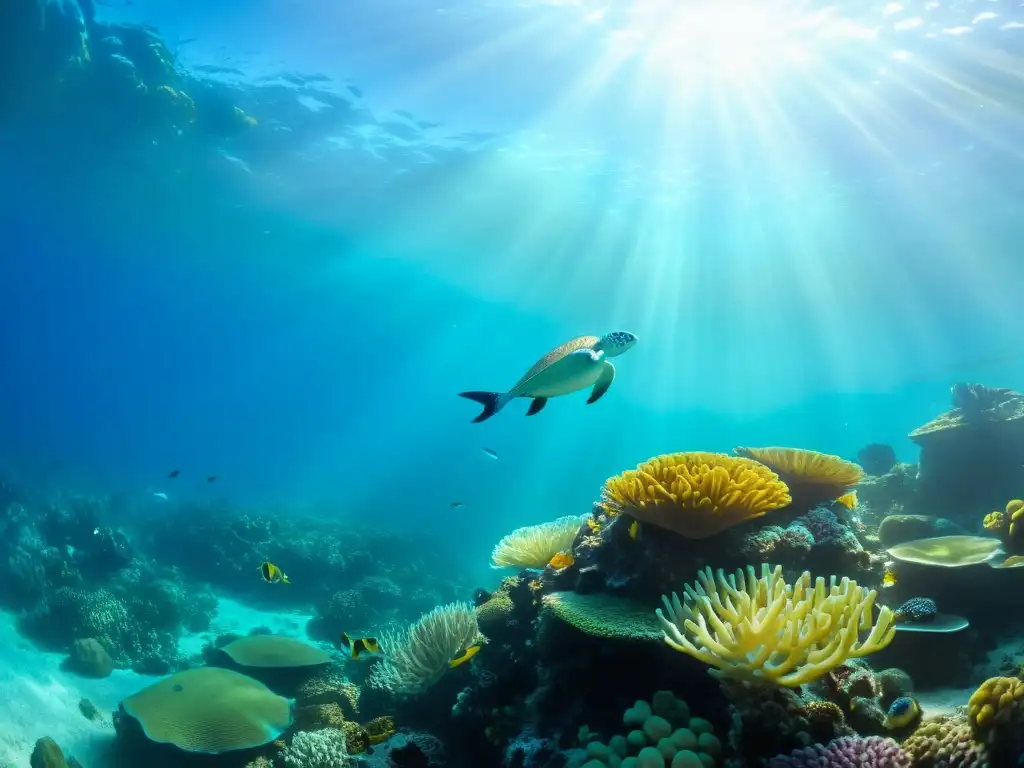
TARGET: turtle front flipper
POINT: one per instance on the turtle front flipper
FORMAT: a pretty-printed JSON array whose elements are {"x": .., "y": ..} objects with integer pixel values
[
  {"x": 537, "y": 406},
  {"x": 602, "y": 384}
]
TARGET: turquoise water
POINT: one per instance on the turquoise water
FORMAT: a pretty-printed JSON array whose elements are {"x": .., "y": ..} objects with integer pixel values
[{"x": 809, "y": 215}]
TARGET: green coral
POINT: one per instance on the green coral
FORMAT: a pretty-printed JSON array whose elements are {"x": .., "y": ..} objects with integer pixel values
[
  {"x": 663, "y": 734},
  {"x": 210, "y": 711},
  {"x": 274, "y": 652},
  {"x": 605, "y": 616}
]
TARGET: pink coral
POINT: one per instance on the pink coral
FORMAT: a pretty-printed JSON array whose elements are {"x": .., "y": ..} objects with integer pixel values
[{"x": 846, "y": 752}]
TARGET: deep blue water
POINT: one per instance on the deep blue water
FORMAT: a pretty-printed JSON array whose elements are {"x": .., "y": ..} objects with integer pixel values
[{"x": 810, "y": 259}]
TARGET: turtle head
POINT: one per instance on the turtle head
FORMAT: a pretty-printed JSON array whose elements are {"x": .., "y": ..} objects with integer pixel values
[{"x": 615, "y": 343}]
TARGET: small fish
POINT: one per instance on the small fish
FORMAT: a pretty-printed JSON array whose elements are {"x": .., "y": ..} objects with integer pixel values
[
  {"x": 490, "y": 453},
  {"x": 96, "y": 532},
  {"x": 465, "y": 656},
  {"x": 904, "y": 711},
  {"x": 594, "y": 525},
  {"x": 888, "y": 577},
  {"x": 456, "y": 504},
  {"x": 161, "y": 495},
  {"x": 355, "y": 648},
  {"x": 848, "y": 500},
  {"x": 174, "y": 473},
  {"x": 634, "y": 529},
  {"x": 211, "y": 479},
  {"x": 561, "y": 560},
  {"x": 272, "y": 574}
]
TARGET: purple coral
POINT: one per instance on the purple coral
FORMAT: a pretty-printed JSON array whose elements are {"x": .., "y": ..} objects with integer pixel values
[
  {"x": 825, "y": 527},
  {"x": 846, "y": 752}
]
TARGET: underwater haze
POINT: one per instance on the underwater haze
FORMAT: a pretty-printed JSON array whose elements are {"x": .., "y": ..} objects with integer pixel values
[{"x": 264, "y": 246}]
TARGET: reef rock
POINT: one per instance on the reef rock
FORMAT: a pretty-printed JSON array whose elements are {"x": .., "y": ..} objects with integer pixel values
[
  {"x": 47, "y": 754},
  {"x": 972, "y": 456},
  {"x": 90, "y": 659}
]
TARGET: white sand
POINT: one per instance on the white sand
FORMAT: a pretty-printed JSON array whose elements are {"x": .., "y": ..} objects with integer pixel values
[{"x": 40, "y": 699}]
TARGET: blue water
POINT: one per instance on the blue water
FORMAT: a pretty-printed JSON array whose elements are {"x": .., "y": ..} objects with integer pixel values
[{"x": 811, "y": 253}]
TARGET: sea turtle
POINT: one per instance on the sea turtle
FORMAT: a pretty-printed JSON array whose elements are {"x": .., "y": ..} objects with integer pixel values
[{"x": 575, "y": 365}]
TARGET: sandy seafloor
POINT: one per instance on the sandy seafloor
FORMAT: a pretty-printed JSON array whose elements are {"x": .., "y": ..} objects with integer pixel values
[{"x": 40, "y": 699}]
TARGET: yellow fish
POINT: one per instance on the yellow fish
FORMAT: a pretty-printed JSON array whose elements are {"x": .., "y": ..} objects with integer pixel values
[
  {"x": 848, "y": 500},
  {"x": 904, "y": 711},
  {"x": 594, "y": 525},
  {"x": 272, "y": 574},
  {"x": 465, "y": 656},
  {"x": 888, "y": 577},
  {"x": 561, "y": 560},
  {"x": 355, "y": 648},
  {"x": 634, "y": 529}
]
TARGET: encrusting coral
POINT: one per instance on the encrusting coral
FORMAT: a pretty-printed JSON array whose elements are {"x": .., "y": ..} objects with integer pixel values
[
  {"x": 696, "y": 495},
  {"x": 847, "y": 752},
  {"x": 763, "y": 629},
  {"x": 534, "y": 546}
]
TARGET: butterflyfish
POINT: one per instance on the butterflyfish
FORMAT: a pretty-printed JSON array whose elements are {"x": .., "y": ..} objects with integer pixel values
[
  {"x": 634, "y": 529},
  {"x": 465, "y": 656},
  {"x": 888, "y": 577},
  {"x": 357, "y": 647},
  {"x": 272, "y": 574},
  {"x": 848, "y": 500}
]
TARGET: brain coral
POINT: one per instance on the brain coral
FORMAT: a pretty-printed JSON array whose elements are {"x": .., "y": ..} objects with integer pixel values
[
  {"x": 696, "y": 495},
  {"x": 603, "y": 615},
  {"x": 209, "y": 710},
  {"x": 274, "y": 652}
]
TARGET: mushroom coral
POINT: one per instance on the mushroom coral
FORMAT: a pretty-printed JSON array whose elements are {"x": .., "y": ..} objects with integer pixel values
[
  {"x": 695, "y": 494},
  {"x": 812, "y": 477},
  {"x": 765, "y": 630}
]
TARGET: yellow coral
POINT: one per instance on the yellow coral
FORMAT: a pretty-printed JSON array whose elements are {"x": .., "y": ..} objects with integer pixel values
[
  {"x": 819, "y": 476},
  {"x": 533, "y": 546},
  {"x": 998, "y": 703},
  {"x": 763, "y": 629},
  {"x": 994, "y": 522},
  {"x": 1015, "y": 515},
  {"x": 380, "y": 729},
  {"x": 945, "y": 742},
  {"x": 356, "y": 739},
  {"x": 696, "y": 495}
]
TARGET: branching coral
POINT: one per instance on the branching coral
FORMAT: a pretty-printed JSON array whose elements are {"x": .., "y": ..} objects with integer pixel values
[
  {"x": 696, "y": 495},
  {"x": 763, "y": 629},
  {"x": 417, "y": 657},
  {"x": 533, "y": 546}
]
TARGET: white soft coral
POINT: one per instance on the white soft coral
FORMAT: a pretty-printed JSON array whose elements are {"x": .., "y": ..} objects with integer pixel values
[{"x": 317, "y": 749}]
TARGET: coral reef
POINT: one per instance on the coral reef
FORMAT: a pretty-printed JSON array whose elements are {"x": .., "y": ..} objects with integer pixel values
[
  {"x": 972, "y": 456},
  {"x": 847, "y": 752},
  {"x": 763, "y": 629}
]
